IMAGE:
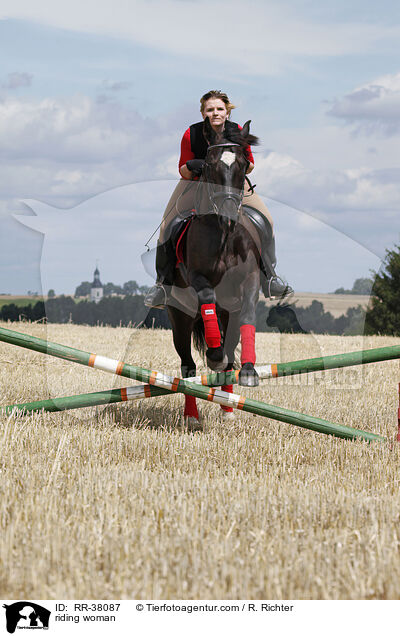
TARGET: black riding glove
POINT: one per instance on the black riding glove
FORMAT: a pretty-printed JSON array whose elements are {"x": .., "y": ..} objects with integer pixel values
[{"x": 195, "y": 166}]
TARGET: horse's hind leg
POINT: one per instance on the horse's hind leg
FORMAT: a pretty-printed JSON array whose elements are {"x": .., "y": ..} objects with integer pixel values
[{"x": 182, "y": 327}]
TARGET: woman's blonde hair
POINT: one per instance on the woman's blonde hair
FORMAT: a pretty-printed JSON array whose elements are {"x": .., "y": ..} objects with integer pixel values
[{"x": 216, "y": 95}]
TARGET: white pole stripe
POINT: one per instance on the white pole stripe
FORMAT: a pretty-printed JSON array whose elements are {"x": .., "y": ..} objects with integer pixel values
[
  {"x": 226, "y": 399},
  {"x": 163, "y": 380},
  {"x": 264, "y": 371},
  {"x": 106, "y": 364},
  {"x": 135, "y": 392}
]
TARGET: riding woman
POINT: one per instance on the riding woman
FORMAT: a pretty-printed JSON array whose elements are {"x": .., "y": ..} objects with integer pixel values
[{"x": 216, "y": 106}]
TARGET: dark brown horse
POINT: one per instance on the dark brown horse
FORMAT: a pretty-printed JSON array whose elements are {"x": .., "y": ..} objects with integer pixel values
[{"x": 221, "y": 268}]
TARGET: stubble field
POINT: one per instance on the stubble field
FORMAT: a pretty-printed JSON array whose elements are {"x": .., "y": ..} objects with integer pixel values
[{"x": 120, "y": 502}]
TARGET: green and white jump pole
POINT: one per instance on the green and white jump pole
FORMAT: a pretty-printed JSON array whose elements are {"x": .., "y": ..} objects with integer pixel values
[
  {"x": 99, "y": 398},
  {"x": 309, "y": 365},
  {"x": 169, "y": 385}
]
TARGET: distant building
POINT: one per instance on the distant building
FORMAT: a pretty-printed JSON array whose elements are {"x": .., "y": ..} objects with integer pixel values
[{"x": 96, "y": 289}]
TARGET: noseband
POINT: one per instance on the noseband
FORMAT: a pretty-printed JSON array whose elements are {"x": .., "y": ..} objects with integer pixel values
[{"x": 228, "y": 192}]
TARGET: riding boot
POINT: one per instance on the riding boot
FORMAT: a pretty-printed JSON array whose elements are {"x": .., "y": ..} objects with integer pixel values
[
  {"x": 271, "y": 285},
  {"x": 157, "y": 297}
]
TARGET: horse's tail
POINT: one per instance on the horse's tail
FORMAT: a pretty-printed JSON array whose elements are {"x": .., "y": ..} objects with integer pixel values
[{"x": 199, "y": 339}]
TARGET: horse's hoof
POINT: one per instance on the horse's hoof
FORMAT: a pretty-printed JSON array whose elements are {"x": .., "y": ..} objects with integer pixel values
[
  {"x": 216, "y": 359},
  {"x": 218, "y": 366},
  {"x": 193, "y": 425},
  {"x": 248, "y": 377}
]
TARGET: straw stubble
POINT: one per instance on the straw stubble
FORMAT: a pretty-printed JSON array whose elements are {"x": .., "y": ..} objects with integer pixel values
[{"x": 121, "y": 502}]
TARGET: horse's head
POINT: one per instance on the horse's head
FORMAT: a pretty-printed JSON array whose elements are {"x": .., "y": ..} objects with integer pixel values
[{"x": 225, "y": 169}]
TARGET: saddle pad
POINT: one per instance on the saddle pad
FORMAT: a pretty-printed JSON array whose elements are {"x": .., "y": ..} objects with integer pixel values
[{"x": 180, "y": 243}]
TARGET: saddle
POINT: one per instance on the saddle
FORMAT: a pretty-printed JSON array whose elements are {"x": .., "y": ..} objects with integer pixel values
[{"x": 252, "y": 221}]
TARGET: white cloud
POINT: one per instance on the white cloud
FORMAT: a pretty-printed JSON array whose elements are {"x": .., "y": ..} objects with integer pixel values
[
  {"x": 363, "y": 204},
  {"x": 65, "y": 150},
  {"x": 268, "y": 36},
  {"x": 327, "y": 193},
  {"x": 71, "y": 129},
  {"x": 76, "y": 147},
  {"x": 372, "y": 107}
]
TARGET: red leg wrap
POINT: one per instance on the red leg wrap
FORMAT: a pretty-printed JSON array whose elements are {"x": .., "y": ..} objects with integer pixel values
[
  {"x": 248, "y": 340},
  {"x": 191, "y": 407},
  {"x": 229, "y": 389},
  {"x": 212, "y": 333}
]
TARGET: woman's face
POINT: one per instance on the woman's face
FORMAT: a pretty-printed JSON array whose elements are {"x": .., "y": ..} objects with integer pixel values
[{"x": 215, "y": 110}]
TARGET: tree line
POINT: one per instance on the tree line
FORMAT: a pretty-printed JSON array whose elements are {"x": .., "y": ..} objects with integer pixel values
[
  {"x": 361, "y": 286},
  {"x": 381, "y": 317},
  {"x": 130, "y": 288},
  {"x": 130, "y": 311}
]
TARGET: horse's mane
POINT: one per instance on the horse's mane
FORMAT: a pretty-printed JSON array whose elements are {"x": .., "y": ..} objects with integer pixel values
[
  {"x": 237, "y": 138},
  {"x": 241, "y": 137}
]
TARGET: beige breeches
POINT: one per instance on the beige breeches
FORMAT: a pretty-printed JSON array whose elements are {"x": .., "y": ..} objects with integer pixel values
[{"x": 183, "y": 199}]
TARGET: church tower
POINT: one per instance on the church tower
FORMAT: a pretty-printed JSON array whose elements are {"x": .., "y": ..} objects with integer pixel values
[{"x": 96, "y": 291}]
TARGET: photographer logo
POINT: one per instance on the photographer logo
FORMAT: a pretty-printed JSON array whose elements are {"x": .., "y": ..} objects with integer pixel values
[{"x": 26, "y": 615}]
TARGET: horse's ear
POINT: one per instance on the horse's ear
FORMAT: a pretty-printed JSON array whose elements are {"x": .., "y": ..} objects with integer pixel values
[
  {"x": 246, "y": 129},
  {"x": 251, "y": 140},
  {"x": 208, "y": 131}
]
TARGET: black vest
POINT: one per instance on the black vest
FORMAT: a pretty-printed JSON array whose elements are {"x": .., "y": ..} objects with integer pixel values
[{"x": 199, "y": 145}]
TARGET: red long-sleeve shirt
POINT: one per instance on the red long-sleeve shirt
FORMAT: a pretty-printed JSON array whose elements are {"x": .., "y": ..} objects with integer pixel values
[{"x": 192, "y": 149}]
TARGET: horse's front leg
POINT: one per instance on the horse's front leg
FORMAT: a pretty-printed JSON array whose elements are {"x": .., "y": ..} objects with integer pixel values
[
  {"x": 182, "y": 327},
  {"x": 216, "y": 359},
  {"x": 248, "y": 376}
]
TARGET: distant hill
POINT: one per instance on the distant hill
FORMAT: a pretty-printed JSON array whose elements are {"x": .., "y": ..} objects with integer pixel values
[{"x": 337, "y": 304}]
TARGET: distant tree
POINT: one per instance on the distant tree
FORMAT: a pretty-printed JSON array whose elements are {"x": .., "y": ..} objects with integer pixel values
[
  {"x": 110, "y": 288},
  {"x": 10, "y": 312},
  {"x": 83, "y": 289},
  {"x": 341, "y": 290},
  {"x": 131, "y": 288},
  {"x": 38, "y": 311},
  {"x": 355, "y": 321},
  {"x": 51, "y": 293},
  {"x": 383, "y": 315},
  {"x": 84, "y": 313},
  {"x": 362, "y": 286},
  {"x": 60, "y": 309},
  {"x": 314, "y": 318}
]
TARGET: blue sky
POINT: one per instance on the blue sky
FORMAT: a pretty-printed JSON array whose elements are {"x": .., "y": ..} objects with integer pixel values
[{"x": 96, "y": 97}]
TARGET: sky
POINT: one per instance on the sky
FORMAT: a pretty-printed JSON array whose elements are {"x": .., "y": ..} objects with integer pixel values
[{"x": 95, "y": 97}]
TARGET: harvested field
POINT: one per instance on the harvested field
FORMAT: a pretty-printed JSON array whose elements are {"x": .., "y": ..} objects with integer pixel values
[
  {"x": 120, "y": 502},
  {"x": 336, "y": 304}
]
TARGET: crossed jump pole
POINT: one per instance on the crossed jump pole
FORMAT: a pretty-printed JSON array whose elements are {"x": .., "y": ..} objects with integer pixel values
[{"x": 161, "y": 384}]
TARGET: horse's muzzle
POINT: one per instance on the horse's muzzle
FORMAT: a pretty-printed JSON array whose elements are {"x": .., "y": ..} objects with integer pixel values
[{"x": 227, "y": 205}]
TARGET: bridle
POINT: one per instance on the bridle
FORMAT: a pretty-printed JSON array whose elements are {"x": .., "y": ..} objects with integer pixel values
[{"x": 227, "y": 193}]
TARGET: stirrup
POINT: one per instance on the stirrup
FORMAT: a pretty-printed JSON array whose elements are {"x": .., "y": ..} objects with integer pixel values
[
  {"x": 286, "y": 289},
  {"x": 156, "y": 297}
]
